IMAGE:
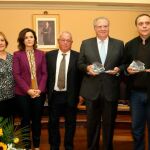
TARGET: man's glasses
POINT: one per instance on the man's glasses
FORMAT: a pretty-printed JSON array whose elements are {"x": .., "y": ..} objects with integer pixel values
[{"x": 63, "y": 40}]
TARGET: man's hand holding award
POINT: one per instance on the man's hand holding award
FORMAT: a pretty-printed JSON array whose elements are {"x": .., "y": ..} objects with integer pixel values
[
  {"x": 96, "y": 68},
  {"x": 135, "y": 67}
]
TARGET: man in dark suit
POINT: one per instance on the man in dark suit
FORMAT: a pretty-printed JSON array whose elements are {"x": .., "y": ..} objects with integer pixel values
[
  {"x": 101, "y": 90},
  {"x": 62, "y": 100}
]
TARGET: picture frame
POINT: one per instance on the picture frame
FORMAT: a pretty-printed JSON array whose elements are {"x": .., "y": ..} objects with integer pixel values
[{"x": 46, "y": 27}]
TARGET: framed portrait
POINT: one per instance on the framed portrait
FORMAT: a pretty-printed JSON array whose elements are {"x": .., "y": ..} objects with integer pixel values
[{"x": 47, "y": 29}]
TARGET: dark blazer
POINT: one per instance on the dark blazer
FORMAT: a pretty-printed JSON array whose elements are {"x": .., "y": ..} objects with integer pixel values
[
  {"x": 90, "y": 88},
  {"x": 73, "y": 76},
  {"x": 22, "y": 75}
]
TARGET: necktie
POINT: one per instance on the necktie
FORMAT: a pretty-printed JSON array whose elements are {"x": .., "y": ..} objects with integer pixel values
[
  {"x": 61, "y": 75},
  {"x": 102, "y": 52}
]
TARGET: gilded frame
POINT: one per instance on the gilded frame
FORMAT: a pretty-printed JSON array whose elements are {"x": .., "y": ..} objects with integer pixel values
[{"x": 47, "y": 29}]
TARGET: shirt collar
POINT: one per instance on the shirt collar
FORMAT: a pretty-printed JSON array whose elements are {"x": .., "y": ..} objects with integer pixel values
[
  {"x": 60, "y": 52},
  {"x": 146, "y": 41},
  {"x": 99, "y": 41},
  {"x": 30, "y": 51}
]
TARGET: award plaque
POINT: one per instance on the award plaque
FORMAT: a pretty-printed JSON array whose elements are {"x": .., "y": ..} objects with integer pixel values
[
  {"x": 137, "y": 65},
  {"x": 98, "y": 67}
]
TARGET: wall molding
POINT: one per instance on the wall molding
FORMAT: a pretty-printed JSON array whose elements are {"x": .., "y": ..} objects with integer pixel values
[{"x": 72, "y": 5}]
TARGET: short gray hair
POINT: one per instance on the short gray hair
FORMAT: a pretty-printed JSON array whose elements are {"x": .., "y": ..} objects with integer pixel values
[
  {"x": 99, "y": 18},
  {"x": 65, "y": 32}
]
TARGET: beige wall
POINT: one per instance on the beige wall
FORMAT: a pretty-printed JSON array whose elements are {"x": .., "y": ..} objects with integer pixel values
[{"x": 79, "y": 22}]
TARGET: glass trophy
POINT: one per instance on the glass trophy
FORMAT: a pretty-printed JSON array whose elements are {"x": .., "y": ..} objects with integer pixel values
[
  {"x": 137, "y": 65},
  {"x": 98, "y": 68}
]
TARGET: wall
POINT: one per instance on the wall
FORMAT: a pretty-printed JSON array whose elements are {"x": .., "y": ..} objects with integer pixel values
[{"x": 78, "y": 21}]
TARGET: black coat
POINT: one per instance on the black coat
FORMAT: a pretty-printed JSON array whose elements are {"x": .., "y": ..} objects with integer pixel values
[{"x": 73, "y": 76}]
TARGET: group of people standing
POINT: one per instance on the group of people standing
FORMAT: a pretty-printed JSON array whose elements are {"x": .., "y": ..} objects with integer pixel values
[{"x": 68, "y": 79}]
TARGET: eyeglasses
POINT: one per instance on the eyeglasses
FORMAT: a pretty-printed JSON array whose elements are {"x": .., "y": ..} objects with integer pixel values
[{"x": 63, "y": 40}]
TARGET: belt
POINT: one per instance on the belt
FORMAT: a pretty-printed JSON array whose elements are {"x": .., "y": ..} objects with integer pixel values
[{"x": 59, "y": 92}]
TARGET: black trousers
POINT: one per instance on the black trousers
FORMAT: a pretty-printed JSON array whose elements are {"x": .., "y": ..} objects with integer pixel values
[
  {"x": 100, "y": 113},
  {"x": 57, "y": 108},
  {"x": 8, "y": 108},
  {"x": 31, "y": 110}
]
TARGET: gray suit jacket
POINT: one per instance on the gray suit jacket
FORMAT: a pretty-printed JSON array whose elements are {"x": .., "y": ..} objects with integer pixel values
[{"x": 108, "y": 84}]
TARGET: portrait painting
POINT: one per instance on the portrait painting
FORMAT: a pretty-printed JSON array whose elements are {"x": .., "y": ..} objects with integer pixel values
[{"x": 46, "y": 28}]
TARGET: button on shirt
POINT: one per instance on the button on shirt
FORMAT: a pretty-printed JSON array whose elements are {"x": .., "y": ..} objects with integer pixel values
[
  {"x": 59, "y": 58},
  {"x": 105, "y": 48}
]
